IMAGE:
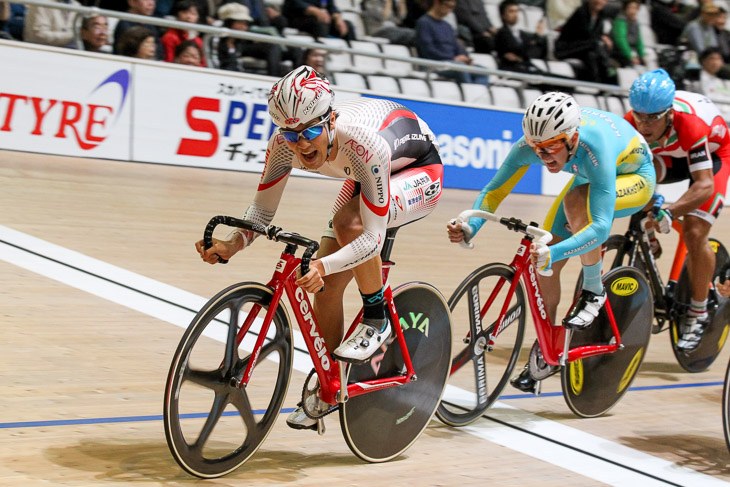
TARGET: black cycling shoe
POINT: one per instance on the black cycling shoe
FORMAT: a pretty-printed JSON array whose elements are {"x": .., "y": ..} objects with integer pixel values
[{"x": 524, "y": 381}]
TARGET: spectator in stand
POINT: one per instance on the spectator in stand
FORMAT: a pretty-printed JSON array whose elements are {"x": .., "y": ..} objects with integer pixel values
[
  {"x": 184, "y": 11},
  {"x": 700, "y": 33},
  {"x": 436, "y": 39},
  {"x": 50, "y": 26},
  {"x": 629, "y": 49},
  {"x": 316, "y": 58},
  {"x": 383, "y": 18},
  {"x": 415, "y": 9},
  {"x": 710, "y": 83},
  {"x": 692, "y": 12},
  {"x": 140, "y": 7},
  {"x": 516, "y": 47},
  {"x": 472, "y": 15},
  {"x": 582, "y": 37},
  {"x": 94, "y": 33},
  {"x": 666, "y": 22},
  {"x": 230, "y": 49},
  {"x": 188, "y": 52},
  {"x": 264, "y": 15},
  {"x": 4, "y": 16},
  {"x": 15, "y": 22},
  {"x": 559, "y": 11},
  {"x": 137, "y": 41},
  {"x": 319, "y": 18},
  {"x": 723, "y": 35}
]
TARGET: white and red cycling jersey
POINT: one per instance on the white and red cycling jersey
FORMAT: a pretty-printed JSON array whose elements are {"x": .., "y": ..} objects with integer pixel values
[
  {"x": 698, "y": 139},
  {"x": 385, "y": 153}
]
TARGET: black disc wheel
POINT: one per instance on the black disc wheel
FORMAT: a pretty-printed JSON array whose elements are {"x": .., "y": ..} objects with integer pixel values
[
  {"x": 715, "y": 335},
  {"x": 380, "y": 425},
  {"x": 213, "y": 426},
  {"x": 478, "y": 376},
  {"x": 593, "y": 385}
]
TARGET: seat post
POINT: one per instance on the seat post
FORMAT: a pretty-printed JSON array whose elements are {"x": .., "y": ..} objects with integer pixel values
[{"x": 388, "y": 245}]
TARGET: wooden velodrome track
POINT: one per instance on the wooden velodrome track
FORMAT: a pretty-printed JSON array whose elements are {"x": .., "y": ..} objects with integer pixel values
[{"x": 97, "y": 258}]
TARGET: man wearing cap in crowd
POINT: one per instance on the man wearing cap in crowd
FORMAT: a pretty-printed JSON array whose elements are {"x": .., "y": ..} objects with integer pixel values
[
  {"x": 230, "y": 49},
  {"x": 700, "y": 33}
]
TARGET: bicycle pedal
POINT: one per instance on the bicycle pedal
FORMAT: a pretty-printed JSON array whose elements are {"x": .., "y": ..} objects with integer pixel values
[
  {"x": 538, "y": 388},
  {"x": 320, "y": 426}
]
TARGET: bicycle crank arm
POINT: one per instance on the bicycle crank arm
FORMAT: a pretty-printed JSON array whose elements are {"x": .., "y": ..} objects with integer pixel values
[
  {"x": 566, "y": 347},
  {"x": 341, "y": 395}
]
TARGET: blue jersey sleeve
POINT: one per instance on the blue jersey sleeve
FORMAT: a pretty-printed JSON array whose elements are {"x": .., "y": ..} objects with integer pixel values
[{"x": 508, "y": 175}]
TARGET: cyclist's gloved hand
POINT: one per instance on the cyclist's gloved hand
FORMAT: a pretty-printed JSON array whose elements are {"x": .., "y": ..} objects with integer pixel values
[
  {"x": 459, "y": 232},
  {"x": 664, "y": 220},
  {"x": 540, "y": 254}
]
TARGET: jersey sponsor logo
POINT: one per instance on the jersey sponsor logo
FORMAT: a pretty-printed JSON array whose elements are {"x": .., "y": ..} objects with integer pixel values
[
  {"x": 582, "y": 247},
  {"x": 360, "y": 150},
  {"x": 633, "y": 189},
  {"x": 415, "y": 181},
  {"x": 432, "y": 191},
  {"x": 317, "y": 340},
  {"x": 398, "y": 202},
  {"x": 402, "y": 140},
  {"x": 88, "y": 123},
  {"x": 719, "y": 131},
  {"x": 699, "y": 154},
  {"x": 415, "y": 199}
]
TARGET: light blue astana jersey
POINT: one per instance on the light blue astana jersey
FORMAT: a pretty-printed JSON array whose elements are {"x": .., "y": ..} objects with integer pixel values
[{"x": 609, "y": 149}]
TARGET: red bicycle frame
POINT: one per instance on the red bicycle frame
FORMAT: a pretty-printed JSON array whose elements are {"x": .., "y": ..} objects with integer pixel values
[
  {"x": 331, "y": 374},
  {"x": 554, "y": 340}
]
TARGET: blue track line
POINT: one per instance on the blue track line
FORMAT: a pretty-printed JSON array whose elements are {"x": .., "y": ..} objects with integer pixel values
[{"x": 158, "y": 417}]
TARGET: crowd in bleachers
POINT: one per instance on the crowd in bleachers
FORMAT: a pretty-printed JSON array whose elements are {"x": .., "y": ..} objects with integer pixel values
[{"x": 603, "y": 41}]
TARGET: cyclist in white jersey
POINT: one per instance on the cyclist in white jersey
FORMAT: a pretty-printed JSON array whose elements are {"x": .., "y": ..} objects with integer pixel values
[{"x": 393, "y": 173}]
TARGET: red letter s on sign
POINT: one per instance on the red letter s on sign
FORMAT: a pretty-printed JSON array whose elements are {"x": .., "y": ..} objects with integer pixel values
[{"x": 195, "y": 147}]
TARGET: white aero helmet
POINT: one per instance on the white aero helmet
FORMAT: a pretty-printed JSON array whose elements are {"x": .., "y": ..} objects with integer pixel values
[
  {"x": 301, "y": 96},
  {"x": 551, "y": 115}
]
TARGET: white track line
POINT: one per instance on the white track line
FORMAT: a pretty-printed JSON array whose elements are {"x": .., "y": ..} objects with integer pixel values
[{"x": 127, "y": 293}]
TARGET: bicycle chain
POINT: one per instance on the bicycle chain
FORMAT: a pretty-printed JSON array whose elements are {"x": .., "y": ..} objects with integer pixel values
[{"x": 307, "y": 393}]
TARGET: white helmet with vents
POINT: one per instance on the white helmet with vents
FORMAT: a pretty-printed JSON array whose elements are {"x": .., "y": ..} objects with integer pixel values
[
  {"x": 299, "y": 97},
  {"x": 551, "y": 115}
]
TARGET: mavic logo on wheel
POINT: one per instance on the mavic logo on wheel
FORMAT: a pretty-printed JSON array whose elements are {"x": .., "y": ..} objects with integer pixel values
[
  {"x": 624, "y": 286},
  {"x": 318, "y": 341},
  {"x": 416, "y": 322}
]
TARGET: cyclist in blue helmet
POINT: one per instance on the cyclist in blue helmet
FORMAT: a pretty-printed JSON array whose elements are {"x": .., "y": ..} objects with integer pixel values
[{"x": 689, "y": 139}]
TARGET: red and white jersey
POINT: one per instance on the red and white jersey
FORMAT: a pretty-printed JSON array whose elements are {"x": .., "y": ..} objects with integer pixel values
[
  {"x": 374, "y": 139},
  {"x": 698, "y": 131}
]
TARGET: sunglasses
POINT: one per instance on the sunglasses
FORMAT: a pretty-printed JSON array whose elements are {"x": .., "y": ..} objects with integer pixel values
[
  {"x": 309, "y": 133},
  {"x": 550, "y": 146},
  {"x": 649, "y": 118}
]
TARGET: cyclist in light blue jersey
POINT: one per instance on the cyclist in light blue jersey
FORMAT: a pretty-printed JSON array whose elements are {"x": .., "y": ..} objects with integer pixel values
[{"x": 613, "y": 176}]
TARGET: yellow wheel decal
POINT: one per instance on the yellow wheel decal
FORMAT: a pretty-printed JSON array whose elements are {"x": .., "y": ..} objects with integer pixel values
[
  {"x": 630, "y": 370},
  {"x": 723, "y": 337},
  {"x": 576, "y": 377}
]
